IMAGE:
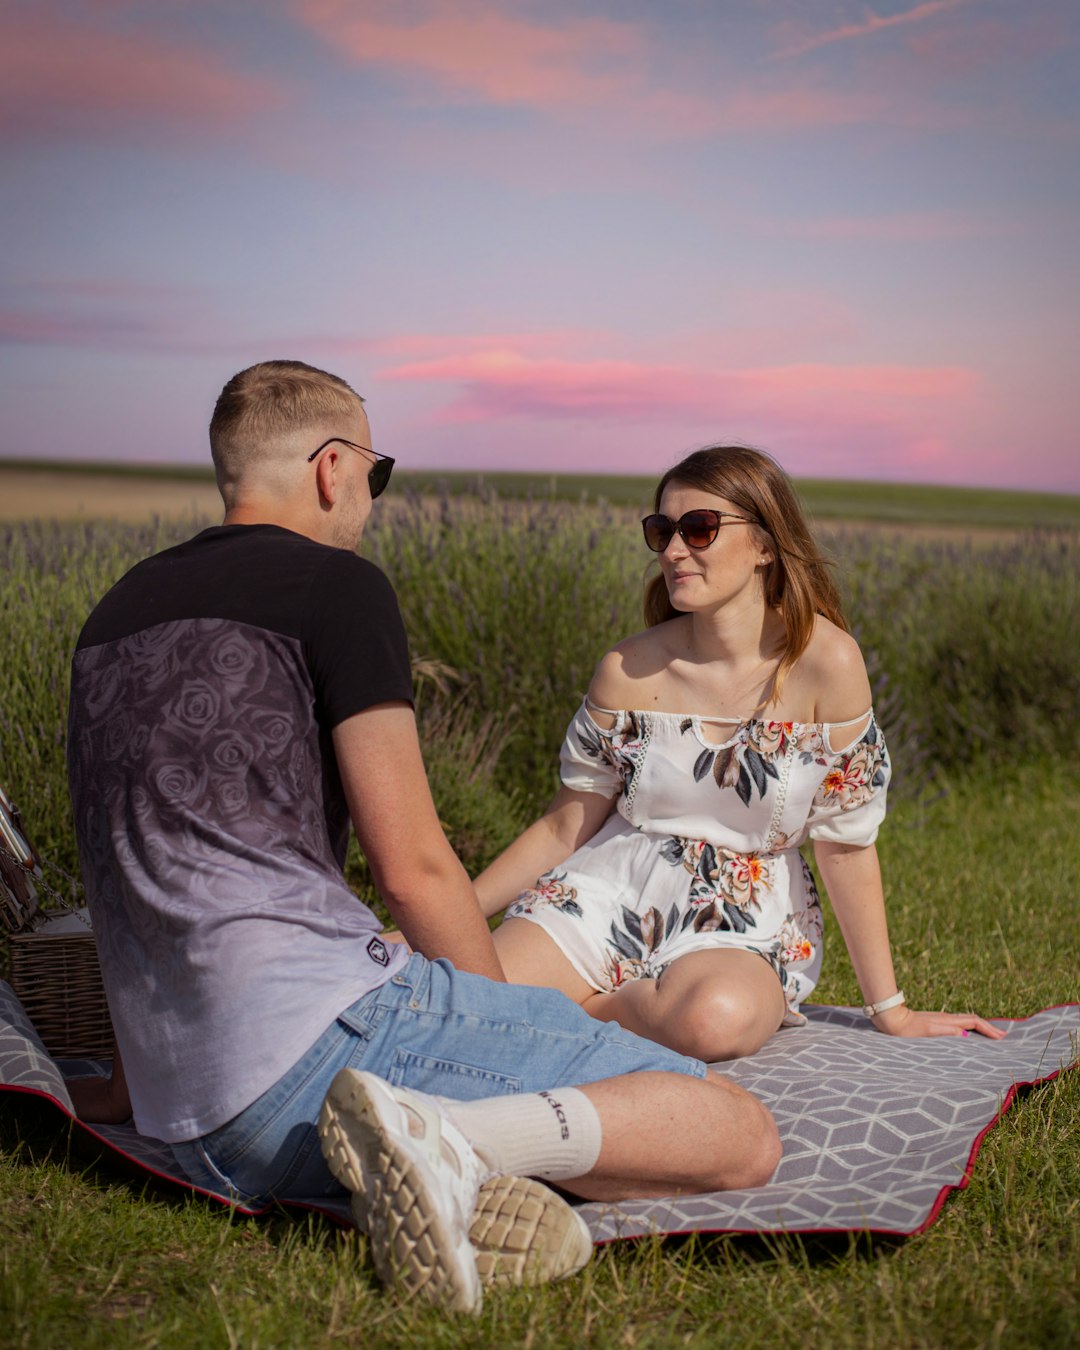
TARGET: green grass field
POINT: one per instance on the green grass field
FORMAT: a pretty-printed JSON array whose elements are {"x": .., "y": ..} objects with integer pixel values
[
  {"x": 973, "y": 656},
  {"x": 825, "y": 499},
  {"x": 979, "y": 919}
]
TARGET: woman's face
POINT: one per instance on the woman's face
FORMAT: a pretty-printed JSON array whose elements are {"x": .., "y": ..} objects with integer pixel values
[{"x": 729, "y": 568}]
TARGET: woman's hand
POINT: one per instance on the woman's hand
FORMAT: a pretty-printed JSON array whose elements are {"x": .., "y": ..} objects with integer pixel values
[{"x": 904, "y": 1021}]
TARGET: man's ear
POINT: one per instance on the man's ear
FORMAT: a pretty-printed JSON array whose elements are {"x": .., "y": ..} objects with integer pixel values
[{"x": 326, "y": 467}]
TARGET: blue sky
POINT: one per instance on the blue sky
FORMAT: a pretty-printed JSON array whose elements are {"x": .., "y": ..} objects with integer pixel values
[{"x": 546, "y": 235}]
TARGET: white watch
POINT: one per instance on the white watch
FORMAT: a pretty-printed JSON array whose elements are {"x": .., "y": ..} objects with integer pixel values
[{"x": 872, "y": 1009}]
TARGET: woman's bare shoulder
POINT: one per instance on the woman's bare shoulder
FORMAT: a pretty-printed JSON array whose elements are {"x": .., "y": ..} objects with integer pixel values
[
  {"x": 625, "y": 676},
  {"x": 834, "y": 672}
]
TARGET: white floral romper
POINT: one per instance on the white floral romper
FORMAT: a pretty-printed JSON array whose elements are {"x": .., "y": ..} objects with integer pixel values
[{"x": 702, "y": 850}]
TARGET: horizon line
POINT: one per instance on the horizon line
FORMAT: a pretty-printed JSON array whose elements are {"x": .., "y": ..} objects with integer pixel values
[{"x": 187, "y": 470}]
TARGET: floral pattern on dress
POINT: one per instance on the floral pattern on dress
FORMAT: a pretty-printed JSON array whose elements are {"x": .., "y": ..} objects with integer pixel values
[
  {"x": 856, "y": 774},
  {"x": 751, "y": 759},
  {"x": 799, "y": 935},
  {"x": 635, "y": 942},
  {"x": 622, "y": 970},
  {"x": 720, "y": 897},
  {"x": 768, "y": 788},
  {"x": 725, "y": 886},
  {"x": 551, "y": 890},
  {"x": 625, "y": 758}
]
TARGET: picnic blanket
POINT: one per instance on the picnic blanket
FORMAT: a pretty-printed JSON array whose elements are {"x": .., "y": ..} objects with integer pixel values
[{"x": 876, "y": 1130}]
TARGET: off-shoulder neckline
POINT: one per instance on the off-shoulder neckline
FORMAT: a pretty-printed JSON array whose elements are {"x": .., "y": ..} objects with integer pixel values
[{"x": 736, "y": 722}]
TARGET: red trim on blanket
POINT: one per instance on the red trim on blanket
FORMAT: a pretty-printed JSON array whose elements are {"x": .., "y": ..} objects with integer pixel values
[{"x": 1010, "y": 1097}]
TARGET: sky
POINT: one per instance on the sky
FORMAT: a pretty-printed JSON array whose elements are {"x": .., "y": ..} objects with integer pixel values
[{"x": 541, "y": 234}]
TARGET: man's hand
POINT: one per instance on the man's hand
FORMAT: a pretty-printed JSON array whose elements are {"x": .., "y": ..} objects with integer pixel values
[{"x": 101, "y": 1101}]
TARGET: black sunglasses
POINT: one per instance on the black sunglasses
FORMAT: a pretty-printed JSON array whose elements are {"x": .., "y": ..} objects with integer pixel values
[
  {"x": 378, "y": 474},
  {"x": 697, "y": 529}
]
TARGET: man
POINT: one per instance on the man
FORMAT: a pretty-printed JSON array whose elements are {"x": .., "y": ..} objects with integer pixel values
[{"x": 235, "y": 702}]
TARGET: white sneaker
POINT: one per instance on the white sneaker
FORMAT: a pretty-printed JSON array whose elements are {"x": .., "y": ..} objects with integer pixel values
[
  {"x": 522, "y": 1232},
  {"x": 419, "y": 1177}
]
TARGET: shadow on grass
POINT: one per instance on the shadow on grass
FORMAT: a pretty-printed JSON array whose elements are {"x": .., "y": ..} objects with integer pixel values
[{"x": 39, "y": 1134}]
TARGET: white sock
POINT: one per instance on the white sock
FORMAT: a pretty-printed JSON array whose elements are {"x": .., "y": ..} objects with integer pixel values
[{"x": 554, "y": 1135}]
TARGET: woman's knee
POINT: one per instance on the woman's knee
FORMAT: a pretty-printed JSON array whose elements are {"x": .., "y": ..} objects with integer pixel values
[{"x": 718, "y": 1022}]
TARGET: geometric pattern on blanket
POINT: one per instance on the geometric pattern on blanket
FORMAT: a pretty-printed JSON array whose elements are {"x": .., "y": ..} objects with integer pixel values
[{"x": 876, "y": 1130}]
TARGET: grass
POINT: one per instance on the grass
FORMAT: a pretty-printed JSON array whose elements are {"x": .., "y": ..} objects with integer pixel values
[
  {"x": 509, "y": 605},
  {"x": 981, "y": 916},
  {"x": 193, "y": 473}
]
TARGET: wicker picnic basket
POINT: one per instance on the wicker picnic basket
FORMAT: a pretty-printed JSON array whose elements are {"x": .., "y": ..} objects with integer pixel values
[{"x": 52, "y": 958}]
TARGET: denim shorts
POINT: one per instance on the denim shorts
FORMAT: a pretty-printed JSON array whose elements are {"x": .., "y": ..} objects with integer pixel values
[{"x": 432, "y": 1028}]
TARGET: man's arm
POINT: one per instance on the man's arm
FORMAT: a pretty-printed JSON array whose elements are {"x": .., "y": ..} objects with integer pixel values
[{"x": 418, "y": 874}]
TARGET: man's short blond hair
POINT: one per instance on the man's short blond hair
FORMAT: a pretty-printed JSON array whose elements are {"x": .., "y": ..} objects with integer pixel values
[{"x": 268, "y": 403}]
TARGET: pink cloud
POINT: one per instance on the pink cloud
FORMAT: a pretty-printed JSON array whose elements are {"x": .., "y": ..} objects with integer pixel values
[
  {"x": 872, "y": 23},
  {"x": 108, "y": 289},
  {"x": 135, "y": 329},
  {"x": 632, "y": 416},
  {"x": 958, "y": 50},
  {"x": 439, "y": 345},
  {"x": 483, "y": 49},
  {"x": 67, "y": 329},
  {"x": 484, "y": 52},
  {"x": 501, "y": 384},
  {"x": 57, "y": 78},
  {"x": 765, "y": 110}
]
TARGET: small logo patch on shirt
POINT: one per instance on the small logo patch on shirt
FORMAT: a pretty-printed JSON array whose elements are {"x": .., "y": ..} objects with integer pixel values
[{"x": 377, "y": 951}]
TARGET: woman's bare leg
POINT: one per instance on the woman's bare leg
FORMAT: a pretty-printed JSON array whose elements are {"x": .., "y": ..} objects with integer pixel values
[
  {"x": 529, "y": 955},
  {"x": 711, "y": 1005}
]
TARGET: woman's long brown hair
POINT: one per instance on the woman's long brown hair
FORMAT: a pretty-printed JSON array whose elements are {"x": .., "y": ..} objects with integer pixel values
[{"x": 797, "y": 582}]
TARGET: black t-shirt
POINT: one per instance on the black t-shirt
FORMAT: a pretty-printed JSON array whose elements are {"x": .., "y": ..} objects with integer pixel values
[{"x": 210, "y": 816}]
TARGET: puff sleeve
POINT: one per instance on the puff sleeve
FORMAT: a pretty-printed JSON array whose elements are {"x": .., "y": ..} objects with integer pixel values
[
  {"x": 849, "y": 805},
  {"x": 589, "y": 761}
]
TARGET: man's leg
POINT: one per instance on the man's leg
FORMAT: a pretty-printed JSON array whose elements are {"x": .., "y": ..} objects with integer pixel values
[
  {"x": 419, "y": 1164},
  {"x": 659, "y": 1134},
  {"x": 639, "y": 1120},
  {"x": 454, "y": 1035}
]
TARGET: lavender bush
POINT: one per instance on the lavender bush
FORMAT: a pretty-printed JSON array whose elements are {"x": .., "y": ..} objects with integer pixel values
[{"x": 509, "y": 604}]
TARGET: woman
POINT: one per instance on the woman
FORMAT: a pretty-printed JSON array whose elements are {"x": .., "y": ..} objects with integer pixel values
[{"x": 672, "y": 897}]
